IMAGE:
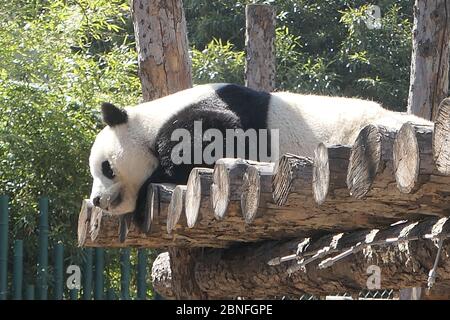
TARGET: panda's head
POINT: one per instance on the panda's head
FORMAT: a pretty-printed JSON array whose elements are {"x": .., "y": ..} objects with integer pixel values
[{"x": 120, "y": 162}]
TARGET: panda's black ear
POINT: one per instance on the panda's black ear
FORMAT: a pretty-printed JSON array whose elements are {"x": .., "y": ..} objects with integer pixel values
[{"x": 113, "y": 115}]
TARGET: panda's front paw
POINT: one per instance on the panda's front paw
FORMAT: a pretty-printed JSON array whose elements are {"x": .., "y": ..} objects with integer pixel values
[{"x": 141, "y": 213}]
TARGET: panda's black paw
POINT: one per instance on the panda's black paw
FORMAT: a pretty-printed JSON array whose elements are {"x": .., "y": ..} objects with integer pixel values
[{"x": 141, "y": 212}]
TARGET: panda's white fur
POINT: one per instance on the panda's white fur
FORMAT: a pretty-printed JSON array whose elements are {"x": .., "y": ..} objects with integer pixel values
[
  {"x": 303, "y": 121},
  {"x": 332, "y": 120}
]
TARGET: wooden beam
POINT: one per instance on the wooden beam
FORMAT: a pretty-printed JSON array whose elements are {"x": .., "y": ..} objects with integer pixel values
[{"x": 404, "y": 253}]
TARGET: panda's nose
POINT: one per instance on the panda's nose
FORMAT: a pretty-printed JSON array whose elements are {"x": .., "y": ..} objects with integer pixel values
[{"x": 96, "y": 201}]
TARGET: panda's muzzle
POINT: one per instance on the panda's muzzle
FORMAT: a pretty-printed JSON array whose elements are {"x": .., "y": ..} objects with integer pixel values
[{"x": 110, "y": 199}]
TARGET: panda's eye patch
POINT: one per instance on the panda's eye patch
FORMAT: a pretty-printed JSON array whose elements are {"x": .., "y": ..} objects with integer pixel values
[{"x": 107, "y": 171}]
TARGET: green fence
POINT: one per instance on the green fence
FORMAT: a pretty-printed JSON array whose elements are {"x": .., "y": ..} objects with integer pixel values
[{"x": 92, "y": 270}]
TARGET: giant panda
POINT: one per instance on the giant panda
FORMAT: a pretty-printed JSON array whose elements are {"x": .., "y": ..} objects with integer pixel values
[{"x": 135, "y": 147}]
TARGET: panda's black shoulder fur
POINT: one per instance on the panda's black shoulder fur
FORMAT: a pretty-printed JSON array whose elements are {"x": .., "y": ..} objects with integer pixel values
[{"x": 230, "y": 106}]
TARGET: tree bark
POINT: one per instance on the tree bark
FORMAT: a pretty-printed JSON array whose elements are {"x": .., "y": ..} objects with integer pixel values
[
  {"x": 413, "y": 157},
  {"x": 329, "y": 170},
  {"x": 176, "y": 215},
  {"x": 430, "y": 57},
  {"x": 162, "y": 46},
  {"x": 331, "y": 264},
  {"x": 260, "y": 47},
  {"x": 441, "y": 138},
  {"x": 197, "y": 204},
  {"x": 162, "y": 276},
  {"x": 371, "y": 163}
]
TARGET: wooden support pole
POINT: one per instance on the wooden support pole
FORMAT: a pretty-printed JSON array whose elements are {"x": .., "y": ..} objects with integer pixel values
[
  {"x": 441, "y": 138},
  {"x": 260, "y": 47},
  {"x": 430, "y": 57},
  {"x": 162, "y": 47}
]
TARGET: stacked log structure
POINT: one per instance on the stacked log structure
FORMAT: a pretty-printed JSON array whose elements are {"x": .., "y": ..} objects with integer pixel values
[{"x": 385, "y": 177}]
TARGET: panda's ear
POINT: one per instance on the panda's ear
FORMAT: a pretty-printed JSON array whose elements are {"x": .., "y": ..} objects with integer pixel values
[{"x": 113, "y": 115}]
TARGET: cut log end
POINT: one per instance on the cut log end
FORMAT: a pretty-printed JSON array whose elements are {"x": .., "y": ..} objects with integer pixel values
[
  {"x": 412, "y": 156},
  {"x": 220, "y": 190},
  {"x": 364, "y": 161},
  {"x": 176, "y": 213},
  {"x": 198, "y": 186},
  {"x": 329, "y": 170},
  {"x": 293, "y": 172},
  {"x": 441, "y": 138},
  {"x": 84, "y": 221},
  {"x": 321, "y": 174},
  {"x": 251, "y": 194}
]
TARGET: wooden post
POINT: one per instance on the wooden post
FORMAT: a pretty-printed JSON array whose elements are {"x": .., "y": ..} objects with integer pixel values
[
  {"x": 430, "y": 57},
  {"x": 430, "y": 60},
  {"x": 260, "y": 47},
  {"x": 164, "y": 68},
  {"x": 162, "y": 46}
]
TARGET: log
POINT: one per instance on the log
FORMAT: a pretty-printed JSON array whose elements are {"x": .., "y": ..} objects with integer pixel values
[
  {"x": 260, "y": 47},
  {"x": 413, "y": 157},
  {"x": 99, "y": 229},
  {"x": 329, "y": 170},
  {"x": 182, "y": 266},
  {"x": 293, "y": 176},
  {"x": 441, "y": 138},
  {"x": 162, "y": 276},
  {"x": 371, "y": 176},
  {"x": 404, "y": 253},
  {"x": 162, "y": 47},
  {"x": 256, "y": 190},
  {"x": 430, "y": 57},
  {"x": 371, "y": 164},
  {"x": 227, "y": 185},
  {"x": 197, "y": 205},
  {"x": 176, "y": 216}
]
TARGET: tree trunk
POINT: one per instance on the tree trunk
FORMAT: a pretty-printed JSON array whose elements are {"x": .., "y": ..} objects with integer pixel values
[
  {"x": 260, "y": 47},
  {"x": 430, "y": 57},
  {"x": 162, "y": 46},
  {"x": 164, "y": 68}
]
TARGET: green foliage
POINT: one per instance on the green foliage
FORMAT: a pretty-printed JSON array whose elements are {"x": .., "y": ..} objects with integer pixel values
[
  {"x": 323, "y": 47},
  {"x": 57, "y": 65},
  {"x": 218, "y": 62}
]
